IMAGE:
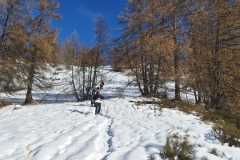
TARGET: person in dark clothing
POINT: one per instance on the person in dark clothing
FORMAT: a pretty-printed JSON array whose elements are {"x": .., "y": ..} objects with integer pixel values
[
  {"x": 98, "y": 99},
  {"x": 101, "y": 85},
  {"x": 97, "y": 89},
  {"x": 92, "y": 92}
]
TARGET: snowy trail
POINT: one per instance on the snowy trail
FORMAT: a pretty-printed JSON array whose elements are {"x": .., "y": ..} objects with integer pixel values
[
  {"x": 123, "y": 132},
  {"x": 135, "y": 127},
  {"x": 52, "y": 132}
]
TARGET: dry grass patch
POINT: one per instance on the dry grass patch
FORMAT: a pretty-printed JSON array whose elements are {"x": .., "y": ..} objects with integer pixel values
[
  {"x": 177, "y": 147},
  {"x": 4, "y": 103}
]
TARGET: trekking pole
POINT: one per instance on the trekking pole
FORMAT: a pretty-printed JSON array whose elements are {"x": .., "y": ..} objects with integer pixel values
[{"x": 104, "y": 108}]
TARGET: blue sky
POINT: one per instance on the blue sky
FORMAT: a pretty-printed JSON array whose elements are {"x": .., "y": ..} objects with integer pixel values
[{"x": 78, "y": 15}]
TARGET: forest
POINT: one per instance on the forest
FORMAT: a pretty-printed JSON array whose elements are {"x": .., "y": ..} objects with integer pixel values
[{"x": 193, "y": 43}]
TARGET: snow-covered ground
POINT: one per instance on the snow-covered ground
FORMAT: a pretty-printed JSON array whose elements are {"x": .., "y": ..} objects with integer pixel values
[{"x": 61, "y": 129}]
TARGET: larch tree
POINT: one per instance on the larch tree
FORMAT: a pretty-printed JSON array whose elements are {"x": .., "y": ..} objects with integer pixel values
[
  {"x": 101, "y": 32},
  {"x": 178, "y": 13},
  {"x": 13, "y": 43},
  {"x": 70, "y": 50},
  {"x": 40, "y": 45},
  {"x": 84, "y": 62},
  {"x": 116, "y": 59},
  {"x": 224, "y": 73},
  {"x": 215, "y": 53},
  {"x": 147, "y": 44},
  {"x": 193, "y": 62},
  {"x": 131, "y": 42}
]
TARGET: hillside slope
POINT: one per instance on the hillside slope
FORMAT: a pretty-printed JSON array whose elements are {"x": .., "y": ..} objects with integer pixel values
[{"x": 63, "y": 129}]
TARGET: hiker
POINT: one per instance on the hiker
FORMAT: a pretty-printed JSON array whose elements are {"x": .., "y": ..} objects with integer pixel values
[
  {"x": 97, "y": 89},
  {"x": 101, "y": 84},
  {"x": 98, "y": 99},
  {"x": 92, "y": 93}
]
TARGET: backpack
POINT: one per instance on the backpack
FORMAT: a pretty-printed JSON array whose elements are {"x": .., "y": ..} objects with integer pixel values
[{"x": 92, "y": 91}]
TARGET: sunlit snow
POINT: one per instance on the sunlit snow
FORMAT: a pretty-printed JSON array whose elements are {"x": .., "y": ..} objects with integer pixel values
[{"x": 59, "y": 128}]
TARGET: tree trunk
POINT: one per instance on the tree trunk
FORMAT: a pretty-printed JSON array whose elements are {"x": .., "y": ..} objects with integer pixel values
[
  {"x": 176, "y": 59},
  {"x": 9, "y": 12},
  {"x": 74, "y": 87},
  {"x": 29, "y": 98},
  {"x": 156, "y": 78},
  {"x": 94, "y": 76},
  {"x": 95, "y": 67},
  {"x": 177, "y": 82},
  {"x": 216, "y": 95},
  {"x": 84, "y": 83},
  {"x": 199, "y": 97}
]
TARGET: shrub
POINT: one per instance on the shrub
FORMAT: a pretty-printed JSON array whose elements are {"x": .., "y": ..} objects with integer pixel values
[
  {"x": 177, "y": 147},
  {"x": 152, "y": 158},
  {"x": 59, "y": 69},
  {"x": 204, "y": 158},
  {"x": 4, "y": 103},
  {"x": 227, "y": 132},
  {"x": 225, "y": 126},
  {"x": 214, "y": 151}
]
